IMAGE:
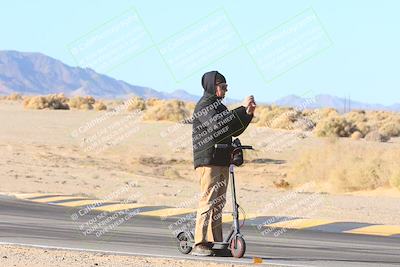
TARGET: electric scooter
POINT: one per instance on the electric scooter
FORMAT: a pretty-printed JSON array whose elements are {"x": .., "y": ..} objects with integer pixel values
[{"x": 234, "y": 241}]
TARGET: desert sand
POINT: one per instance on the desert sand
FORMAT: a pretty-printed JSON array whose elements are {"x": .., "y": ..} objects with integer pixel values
[{"x": 53, "y": 151}]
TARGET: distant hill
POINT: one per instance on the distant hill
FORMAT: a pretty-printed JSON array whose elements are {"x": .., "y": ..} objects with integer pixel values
[
  {"x": 35, "y": 73},
  {"x": 38, "y": 74},
  {"x": 341, "y": 104}
]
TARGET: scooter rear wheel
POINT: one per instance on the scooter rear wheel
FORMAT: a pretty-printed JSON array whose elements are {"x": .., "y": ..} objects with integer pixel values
[
  {"x": 240, "y": 248},
  {"x": 183, "y": 246}
]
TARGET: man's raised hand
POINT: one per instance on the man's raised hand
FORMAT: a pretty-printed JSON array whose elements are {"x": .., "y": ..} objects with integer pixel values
[{"x": 250, "y": 104}]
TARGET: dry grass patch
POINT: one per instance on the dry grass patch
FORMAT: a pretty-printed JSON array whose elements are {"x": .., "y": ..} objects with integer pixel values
[
  {"x": 335, "y": 126},
  {"x": 136, "y": 103},
  {"x": 357, "y": 135},
  {"x": 276, "y": 117},
  {"x": 391, "y": 129},
  {"x": 328, "y": 122},
  {"x": 151, "y": 102},
  {"x": 54, "y": 101},
  {"x": 13, "y": 97},
  {"x": 344, "y": 166},
  {"x": 168, "y": 110},
  {"x": 100, "y": 105},
  {"x": 376, "y": 136},
  {"x": 60, "y": 101},
  {"x": 82, "y": 102}
]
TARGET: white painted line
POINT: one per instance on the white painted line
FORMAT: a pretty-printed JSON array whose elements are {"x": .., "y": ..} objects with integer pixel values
[{"x": 243, "y": 261}]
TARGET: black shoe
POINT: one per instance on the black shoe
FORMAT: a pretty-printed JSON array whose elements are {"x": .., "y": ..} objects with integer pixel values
[{"x": 202, "y": 250}]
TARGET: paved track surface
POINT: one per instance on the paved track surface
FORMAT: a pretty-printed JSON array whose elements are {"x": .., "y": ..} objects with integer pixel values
[{"x": 30, "y": 223}]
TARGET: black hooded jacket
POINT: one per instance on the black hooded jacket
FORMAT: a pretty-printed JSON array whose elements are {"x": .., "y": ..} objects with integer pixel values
[{"x": 214, "y": 124}]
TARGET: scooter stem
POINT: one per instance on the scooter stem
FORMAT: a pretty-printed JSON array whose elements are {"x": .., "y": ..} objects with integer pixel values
[{"x": 235, "y": 212}]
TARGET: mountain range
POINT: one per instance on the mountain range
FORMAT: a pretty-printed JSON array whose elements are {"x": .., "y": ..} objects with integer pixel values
[
  {"x": 324, "y": 100},
  {"x": 31, "y": 73},
  {"x": 36, "y": 73}
]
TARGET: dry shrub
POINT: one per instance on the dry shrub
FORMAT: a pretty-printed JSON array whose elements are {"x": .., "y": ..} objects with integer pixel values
[
  {"x": 54, "y": 101},
  {"x": 265, "y": 114},
  {"x": 281, "y": 184},
  {"x": 57, "y": 101},
  {"x": 378, "y": 115},
  {"x": 14, "y": 97},
  {"x": 391, "y": 129},
  {"x": 112, "y": 104},
  {"x": 335, "y": 126},
  {"x": 276, "y": 117},
  {"x": 190, "y": 106},
  {"x": 169, "y": 110},
  {"x": 357, "y": 135},
  {"x": 259, "y": 110},
  {"x": 356, "y": 116},
  {"x": 328, "y": 122},
  {"x": 151, "y": 102},
  {"x": 376, "y": 136},
  {"x": 386, "y": 123},
  {"x": 313, "y": 116},
  {"x": 344, "y": 166},
  {"x": 360, "y": 119},
  {"x": 172, "y": 173},
  {"x": 282, "y": 121},
  {"x": 136, "y": 103},
  {"x": 394, "y": 179},
  {"x": 99, "y": 105},
  {"x": 364, "y": 127},
  {"x": 326, "y": 112},
  {"x": 285, "y": 120},
  {"x": 273, "y": 116},
  {"x": 308, "y": 112},
  {"x": 82, "y": 102},
  {"x": 35, "y": 102}
]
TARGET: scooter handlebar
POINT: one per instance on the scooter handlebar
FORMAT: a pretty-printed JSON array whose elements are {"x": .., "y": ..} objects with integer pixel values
[{"x": 222, "y": 146}]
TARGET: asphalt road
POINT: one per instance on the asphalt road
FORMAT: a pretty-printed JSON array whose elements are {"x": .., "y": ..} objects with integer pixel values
[{"x": 29, "y": 223}]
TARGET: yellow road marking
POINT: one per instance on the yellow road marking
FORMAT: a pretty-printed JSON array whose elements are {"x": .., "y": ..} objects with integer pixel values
[
  {"x": 30, "y": 195},
  {"x": 380, "y": 230},
  {"x": 77, "y": 203},
  {"x": 119, "y": 206},
  {"x": 383, "y": 230},
  {"x": 51, "y": 199},
  {"x": 167, "y": 212},
  {"x": 300, "y": 223}
]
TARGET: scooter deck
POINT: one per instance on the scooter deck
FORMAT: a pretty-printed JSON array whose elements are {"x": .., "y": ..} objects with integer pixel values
[{"x": 220, "y": 245}]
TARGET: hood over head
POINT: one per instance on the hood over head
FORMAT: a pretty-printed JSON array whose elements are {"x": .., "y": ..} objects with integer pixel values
[{"x": 208, "y": 82}]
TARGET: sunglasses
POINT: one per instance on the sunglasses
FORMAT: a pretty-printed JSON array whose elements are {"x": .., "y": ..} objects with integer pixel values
[{"x": 223, "y": 86}]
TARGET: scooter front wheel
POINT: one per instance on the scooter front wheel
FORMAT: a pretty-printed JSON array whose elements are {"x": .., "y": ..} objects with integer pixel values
[
  {"x": 239, "y": 249},
  {"x": 184, "y": 243}
]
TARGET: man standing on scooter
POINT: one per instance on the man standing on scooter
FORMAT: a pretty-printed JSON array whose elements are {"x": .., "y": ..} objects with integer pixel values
[{"x": 214, "y": 124}]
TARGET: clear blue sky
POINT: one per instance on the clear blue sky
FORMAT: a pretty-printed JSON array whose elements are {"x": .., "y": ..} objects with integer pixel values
[{"x": 363, "y": 61}]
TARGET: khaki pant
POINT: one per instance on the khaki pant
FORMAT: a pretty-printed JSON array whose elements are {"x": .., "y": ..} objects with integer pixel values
[{"x": 213, "y": 184}]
